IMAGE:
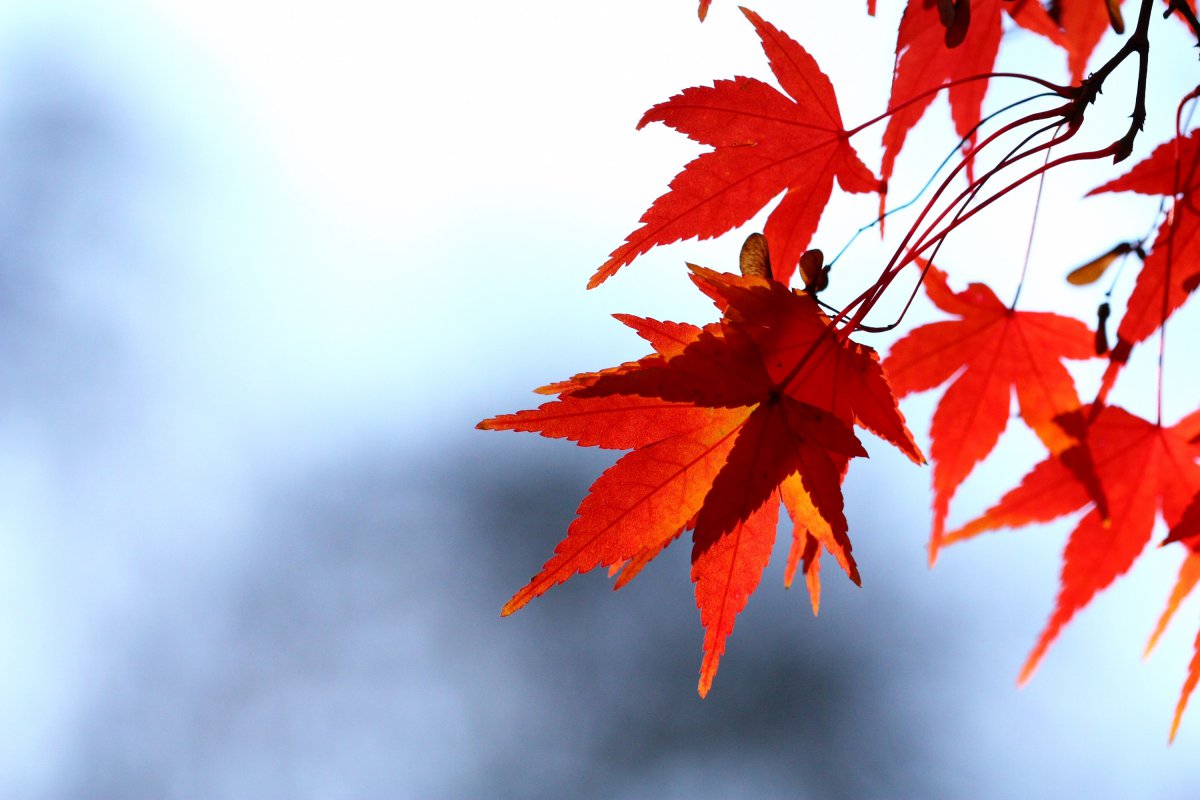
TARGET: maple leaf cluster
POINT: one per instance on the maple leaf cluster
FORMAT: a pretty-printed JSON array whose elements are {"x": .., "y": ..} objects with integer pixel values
[{"x": 726, "y": 421}]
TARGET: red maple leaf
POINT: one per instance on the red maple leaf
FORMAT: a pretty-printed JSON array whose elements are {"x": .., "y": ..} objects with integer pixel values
[
  {"x": 755, "y": 408},
  {"x": 990, "y": 351},
  {"x": 1169, "y": 170},
  {"x": 704, "y": 4},
  {"x": 667, "y": 339},
  {"x": 924, "y": 61},
  {"x": 1171, "y": 272},
  {"x": 1084, "y": 23},
  {"x": 1143, "y": 467},
  {"x": 766, "y": 143}
]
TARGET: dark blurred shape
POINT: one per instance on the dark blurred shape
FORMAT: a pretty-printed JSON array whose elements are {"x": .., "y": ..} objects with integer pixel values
[
  {"x": 359, "y": 652},
  {"x": 69, "y": 190}
]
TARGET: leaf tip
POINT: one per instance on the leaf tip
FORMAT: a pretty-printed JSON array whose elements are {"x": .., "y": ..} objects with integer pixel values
[
  {"x": 1150, "y": 645},
  {"x": 812, "y": 577},
  {"x": 708, "y": 667},
  {"x": 518, "y": 601},
  {"x": 1026, "y": 673},
  {"x": 1035, "y": 658}
]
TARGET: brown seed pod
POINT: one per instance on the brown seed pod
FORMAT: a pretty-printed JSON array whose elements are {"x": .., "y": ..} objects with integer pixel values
[
  {"x": 756, "y": 257},
  {"x": 956, "y": 19},
  {"x": 1102, "y": 329},
  {"x": 1114, "y": 16},
  {"x": 1092, "y": 270},
  {"x": 813, "y": 272}
]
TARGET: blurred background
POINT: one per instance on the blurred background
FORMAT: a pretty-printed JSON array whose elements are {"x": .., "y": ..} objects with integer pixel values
[{"x": 264, "y": 265}]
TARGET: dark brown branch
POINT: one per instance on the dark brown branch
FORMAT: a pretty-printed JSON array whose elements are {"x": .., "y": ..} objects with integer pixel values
[
  {"x": 1139, "y": 43},
  {"x": 1184, "y": 9}
]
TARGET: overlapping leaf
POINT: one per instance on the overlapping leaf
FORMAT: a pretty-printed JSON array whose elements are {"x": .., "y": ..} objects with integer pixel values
[
  {"x": 1145, "y": 469},
  {"x": 1187, "y": 529},
  {"x": 989, "y": 352},
  {"x": 724, "y": 422},
  {"x": 728, "y": 420},
  {"x": 1084, "y": 23},
  {"x": 1171, "y": 272},
  {"x": 1169, "y": 170},
  {"x": 765, "y": 143},
  {"x": 811, "y": 535},
  {"x": 924, "y": 61}
]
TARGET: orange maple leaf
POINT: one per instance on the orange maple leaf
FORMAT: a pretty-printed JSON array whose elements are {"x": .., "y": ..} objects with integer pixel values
[
  {"x": 1189, "y": 686},
  {"x": 812, "y": 534},
  {"x": 742, "y": 413},
  {"x": 990, "y": 351},
  {"x": 1189, "y": 576},
  {"x": 1143, "y": 467},
  {"x": 766, "y": 143}
]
